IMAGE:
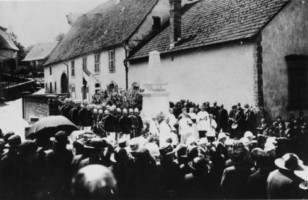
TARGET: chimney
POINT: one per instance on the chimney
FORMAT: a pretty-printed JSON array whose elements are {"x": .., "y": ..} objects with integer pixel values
[{"x": 175, "y": 22}]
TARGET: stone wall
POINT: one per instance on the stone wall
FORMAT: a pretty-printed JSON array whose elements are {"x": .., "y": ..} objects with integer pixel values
[{"x": 39, "y": 106}]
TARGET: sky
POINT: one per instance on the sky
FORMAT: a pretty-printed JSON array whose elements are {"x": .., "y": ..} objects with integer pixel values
[{"x": 41, "y": 21}]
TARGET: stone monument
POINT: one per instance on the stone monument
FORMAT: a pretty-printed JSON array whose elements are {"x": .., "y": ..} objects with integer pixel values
[{"x": 155, "y": 97}]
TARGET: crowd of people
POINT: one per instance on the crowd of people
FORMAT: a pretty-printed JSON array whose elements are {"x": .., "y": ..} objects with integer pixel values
[{"x": 192, "y": 152}]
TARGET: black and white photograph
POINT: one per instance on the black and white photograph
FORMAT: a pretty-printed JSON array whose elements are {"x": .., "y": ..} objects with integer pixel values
[{"x": 153, "y": 99}]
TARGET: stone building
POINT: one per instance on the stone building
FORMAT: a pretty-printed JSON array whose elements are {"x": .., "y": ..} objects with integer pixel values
[{"x": 248, "y": 51}]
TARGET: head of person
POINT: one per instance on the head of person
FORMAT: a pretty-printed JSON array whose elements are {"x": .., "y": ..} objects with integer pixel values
[
  {"x": 278, "y": 119},
  {"x": 125, "y": 112},
  {"x": 191, "y": 110},
  {"x": 290, "y": 162},
  {"x": 94, "y": 182},
  {"x": 301, "y": 114},
  {"x": 222, "y": 137},
  {"x": 60, "y": 140},
  {"x": 199, "y": 166},
  {"x": 184, "y": 110},
  {"x": 131, "y": 111},
  {"x": 202, "y": 107},
  {"x": 238, "y": 105},
  {"x": 119, "y": 111},
  {"x": 28, "y": 148},
  {"x": 171, "y": 110},
  {"x": 14, "y": 142},
  {"x": 7, "y": 136},
  {"x": 136, "y": 111}
]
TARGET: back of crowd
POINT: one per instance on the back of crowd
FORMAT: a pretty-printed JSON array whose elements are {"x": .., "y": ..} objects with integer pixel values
[{"x": 192, "y": 152}]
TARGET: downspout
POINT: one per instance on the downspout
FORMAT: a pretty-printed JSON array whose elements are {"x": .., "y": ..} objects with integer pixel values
[{"x": 125, "y": 46}]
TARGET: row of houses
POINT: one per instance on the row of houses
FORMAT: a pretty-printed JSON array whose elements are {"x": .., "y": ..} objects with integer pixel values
[{"x": 229, "y": 51}]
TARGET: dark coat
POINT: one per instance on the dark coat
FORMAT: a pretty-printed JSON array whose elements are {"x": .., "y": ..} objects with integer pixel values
[
  {"x": 125, "y": 125},
  {"x": 283, "y": 184},
  {"x": 110, "y": 123},
  {"x": 257, "y": 184},
  {"x": 234, "y": 182},
  {"x": 74, "y": 115}
]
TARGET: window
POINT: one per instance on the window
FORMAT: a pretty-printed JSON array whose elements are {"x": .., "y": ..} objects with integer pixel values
[
  {"x": 97, "y": 88},
  {"x": 73, "y": 68},
  {"x": 50, "y": 88},
  {"x": 50, "y": 71},
  {"x": 298, "y": 81},
  {"x": 84, "y": 63},
  {"x": 111, "y": 59},
  {"x": 46, "y": 87},
  {"x": 96, "y": 62},
  {"x": 156, "y": 23},
  {"x": 55, "y": 87}
]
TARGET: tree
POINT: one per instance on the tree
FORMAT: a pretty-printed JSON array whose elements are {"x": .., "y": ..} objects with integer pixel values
[
  {"x": 22, "y": 51},
  {"x": 60, "y": 37}
]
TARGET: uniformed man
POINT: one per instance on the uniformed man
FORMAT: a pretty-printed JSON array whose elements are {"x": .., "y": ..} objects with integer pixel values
[
  {"x": 125, "y": 125},
  {"x": 133, "y": 121},
  {"x": 139, "y": 126}
]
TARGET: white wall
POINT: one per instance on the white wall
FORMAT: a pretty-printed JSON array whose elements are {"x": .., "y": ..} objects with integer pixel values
[
  {"x": 104, "y": 77},
  {"x": 57, "y": 71},
  {"x": 222, "y": 74}
]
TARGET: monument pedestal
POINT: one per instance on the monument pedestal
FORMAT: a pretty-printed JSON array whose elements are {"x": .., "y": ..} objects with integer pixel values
[{"x": 154, "y": 102}]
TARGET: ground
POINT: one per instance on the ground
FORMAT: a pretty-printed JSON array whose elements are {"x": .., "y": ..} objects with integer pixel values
[{"x": 11, "y": 117}]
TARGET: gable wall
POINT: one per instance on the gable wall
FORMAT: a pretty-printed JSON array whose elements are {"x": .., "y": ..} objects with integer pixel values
[{"x": 286, "y": 34}]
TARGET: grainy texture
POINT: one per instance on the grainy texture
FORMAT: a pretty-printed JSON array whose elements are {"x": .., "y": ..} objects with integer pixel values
[
  {"x": 40, "y": 51},
  {"x": 107, "y": 25},
  {"x": 216, "y": 21}
]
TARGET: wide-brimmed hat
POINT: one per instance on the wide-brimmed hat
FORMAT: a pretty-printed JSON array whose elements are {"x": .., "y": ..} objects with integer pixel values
[
  {"x": 290, "y": 161},
  {"x": 249, "y": 134},
  {"x": 134, "y": 145},
  {"x": 166, "y": 150},
  {"x": 181, "y": 151},
  {"x": 221, "y": 136}
]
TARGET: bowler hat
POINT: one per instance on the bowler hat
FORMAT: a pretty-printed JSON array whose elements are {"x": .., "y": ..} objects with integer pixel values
[{"x": 290, "y": 161}]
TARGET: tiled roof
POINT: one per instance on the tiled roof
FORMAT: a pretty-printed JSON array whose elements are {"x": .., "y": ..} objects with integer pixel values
[
  {"x": 107, "y": 25},
  {"x": 5, "y": 40},
  {"x": 40, "y": 51},
  {"x": 215, "y": 21}
]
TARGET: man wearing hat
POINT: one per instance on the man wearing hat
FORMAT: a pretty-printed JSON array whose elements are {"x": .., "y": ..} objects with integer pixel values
[
  {"x": 171, "y": 173},
  {"x": 125, "y": 125},
  {"x": 139, "y": 126},
  {"x": 11, "y": 167},
  {"x": 283, "y": 183},
  {"x": 74, "y": 113},
  {"x": 133, "y": 121},
  {"x": 58, "y": 167}
]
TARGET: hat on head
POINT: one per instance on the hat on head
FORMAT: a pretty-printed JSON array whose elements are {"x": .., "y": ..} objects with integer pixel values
[
  {"x": 290, "y": 161},
  {"x": 203, "y": 141},
  {"x": 7, "y": 135},
  {"x": 136, "y": 110},
  {"x": 13, "y": 141},
  {"x": 222, "y": 136},
  {"x": 119, "y": 110},
  {"x": 198, "y": 164},
  {"x": 60, "y": 138},
  {"x": 134, "y": 145},
  {"x": 166, "y": 150},
  {"x": 98, "y": 142},
  {"x": 181, "y": 151},
  {"x": 124, "y": 110},
  {"x": 29, "y": 147},
  {"x": 130, "y": 110},
  {"x": 122, "y": 143},
  {"x": 248, "y": 134},
  {"x": 153, "y": 149}
]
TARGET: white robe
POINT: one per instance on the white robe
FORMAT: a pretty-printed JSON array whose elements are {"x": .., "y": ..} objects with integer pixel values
[{"x": 202, "y": 120}]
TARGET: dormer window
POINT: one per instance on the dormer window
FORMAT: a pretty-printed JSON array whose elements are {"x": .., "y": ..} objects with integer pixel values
[{"x": 156, "y": 22}]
